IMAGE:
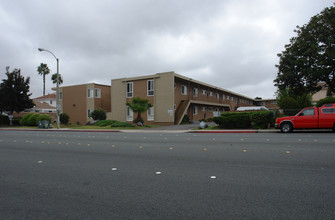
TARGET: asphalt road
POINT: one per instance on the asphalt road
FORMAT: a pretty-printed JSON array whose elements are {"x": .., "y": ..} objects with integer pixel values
[{"x": 80, "y": 175}]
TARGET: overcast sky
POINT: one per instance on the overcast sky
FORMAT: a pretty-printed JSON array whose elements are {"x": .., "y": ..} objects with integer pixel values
[{"x": 227, "y": 43}]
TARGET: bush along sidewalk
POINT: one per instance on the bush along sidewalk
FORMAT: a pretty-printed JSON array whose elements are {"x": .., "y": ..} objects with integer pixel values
[{"x": 245, "y": 120}]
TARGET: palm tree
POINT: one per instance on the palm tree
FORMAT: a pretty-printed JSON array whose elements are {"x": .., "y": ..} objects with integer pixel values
[
  {"x": 54, "y": 78},
  {"x": 139, "y": 106},
  {"x": 43, "y": 70}
]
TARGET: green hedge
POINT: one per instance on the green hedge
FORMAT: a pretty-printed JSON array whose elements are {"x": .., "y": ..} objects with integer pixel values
[
  {"x": 238, "y": 120},
  {"x": 103, "y": 123},
  {"x": 32, "y": 119}
]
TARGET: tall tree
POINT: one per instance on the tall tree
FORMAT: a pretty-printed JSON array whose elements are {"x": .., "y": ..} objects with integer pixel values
[
  {"x": 43, "y": 70},
  {"x": 14, "y": 92},
  {"x": 309, "y": 58},
  {"x": 54, "y": 79},
  {"x": 139, "y": 106}
]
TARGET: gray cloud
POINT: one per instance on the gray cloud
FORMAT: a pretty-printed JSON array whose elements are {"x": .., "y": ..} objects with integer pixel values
[{"x": 230, "y": 44}]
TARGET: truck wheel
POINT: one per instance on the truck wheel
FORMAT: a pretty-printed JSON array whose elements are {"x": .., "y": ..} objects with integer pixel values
[{"x": 286, "y": 127}]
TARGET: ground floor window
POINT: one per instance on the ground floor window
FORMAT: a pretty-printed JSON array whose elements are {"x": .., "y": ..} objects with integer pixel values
[
  {"x": 195, "y": 110},
  {"x": 150, "y": 114},
  {"x": 130, "y": 114}
]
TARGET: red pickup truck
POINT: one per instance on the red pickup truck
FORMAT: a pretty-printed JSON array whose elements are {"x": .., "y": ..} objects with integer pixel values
[{"x": 313, "y": 117}]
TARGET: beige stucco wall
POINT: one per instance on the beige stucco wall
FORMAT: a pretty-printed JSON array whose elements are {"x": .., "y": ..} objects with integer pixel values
[
  {"x": 118, "y": 97},
  {"x": 164, "y": 98}
]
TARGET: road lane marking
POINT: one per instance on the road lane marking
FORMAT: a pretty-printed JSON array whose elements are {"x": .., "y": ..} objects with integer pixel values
[
  {"x": 205, "y": 149},
  {"x": 288, "y": 152},
  {"x": 244, "y": 151},
  {"x": 140, "y": 147},
  {"x": 158, "y": 173},
  {"x": 114, "y": 169},
  {"x": 213, "y": 177},
  {"x": 171, "y": 148},
  {"x": 40, "y": 161},
  {"x": 113, "y": 145}
]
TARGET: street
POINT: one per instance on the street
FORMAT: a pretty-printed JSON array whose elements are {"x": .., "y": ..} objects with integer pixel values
[{"x": 109, "y": 175}]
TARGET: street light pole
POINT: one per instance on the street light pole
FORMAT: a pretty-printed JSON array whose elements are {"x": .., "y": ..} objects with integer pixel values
[{"x": 57, "y": 87}]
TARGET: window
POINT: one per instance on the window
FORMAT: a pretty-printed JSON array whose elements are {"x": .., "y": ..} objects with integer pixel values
[
  {"x": 150, "y": 87},
  {"x": 210, "y": 93},
  {"x": 50, "y": 102},
  {"x": 89, "y": 93},
  {"x": 184, "y": 90},
  {"x": 195, "y": 91},
  {"x": 174, "y": 107},
  {"x": 88, "y": 113},
  {"x": 175, "y": 85},
  {"x": 195, "y": 110},
  {"x": 150, "y": 115},
  {"x": 203, "y": 109},
  {"x": 223, "y": 97},
  {"x": 203, "y": 92},
  {"x": 129, "y": 89},
  {"x": 328, "y": 110},
  {"x": 60, "y": 95},
  {"x": 130, "y": 114},
  {"x": 307, "y": 112},
  {"x": 97, "y": 93},
  {"x": 236, "y": 100},
  {"x": 210, "y": 109},
  {"x": 217, "y": 96}
]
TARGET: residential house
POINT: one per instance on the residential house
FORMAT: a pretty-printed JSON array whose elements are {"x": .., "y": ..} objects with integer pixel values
[
  {"x": 78, "y": 101},
  {"x": 172, "y": 96}
]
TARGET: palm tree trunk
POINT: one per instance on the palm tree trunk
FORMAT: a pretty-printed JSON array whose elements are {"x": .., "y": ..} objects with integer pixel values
[{"x": 43, "y": 85}]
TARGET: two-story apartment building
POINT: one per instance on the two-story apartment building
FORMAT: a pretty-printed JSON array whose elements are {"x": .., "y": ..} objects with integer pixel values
[
  {"x": 172, "y": 96},
  {"x": 78, "y": 101}
]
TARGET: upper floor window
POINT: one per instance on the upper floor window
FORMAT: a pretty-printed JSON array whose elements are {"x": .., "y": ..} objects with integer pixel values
[
  {"x": 210, "y": 93},
  {"x": 223, "y": 97},
  {"x": 150, "y": 86},
  {"x": 217, "y": 96},
  {"x": 227, "y": 97},
  {"x": 203, "y": 92},
  {"x": 129, "y": 89},
  {"x": 195, "y": 91},
  {"x": 97, "y": 93},
  {"x": 89, "y": 93},
  {"x": 184, "y": 90}
]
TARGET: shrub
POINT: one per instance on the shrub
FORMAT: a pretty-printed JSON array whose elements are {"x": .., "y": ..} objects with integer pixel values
[
  {"x": 4, "y": 120},
  {"x": 186, "y": 120},
  {"x": 257, "y": 119},
  {"x": 24, "y": 119},
  {"x": 122, "y": 124},
  {"x": 233, "y": 120},
  {"x": 261, "y": 119},
  {"x": 327, "y": 100},
  {"x": 32, "y": 120},
  {"x": 43, "y": 117},
  {"x": 98, "y": 114},
  {"x": 103, "y": 123},
  {"x": 64, "y": 118}
]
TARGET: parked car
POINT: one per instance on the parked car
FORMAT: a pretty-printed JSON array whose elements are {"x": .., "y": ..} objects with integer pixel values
[{"x": 309, "y": 118}]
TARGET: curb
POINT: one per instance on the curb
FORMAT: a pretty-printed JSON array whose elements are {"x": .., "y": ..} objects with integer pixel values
[{"x": 58, "y": 130}]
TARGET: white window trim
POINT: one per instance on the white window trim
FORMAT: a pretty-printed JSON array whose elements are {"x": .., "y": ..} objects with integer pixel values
[
  {"x": 129, "y": 94},
  {"x": 130, "y": 116},
  {"x": 210, "y": 93},
  {"x": 195, "y": 91},
  {"x": 150, "y": 114},
  {"x": 217, "y": 96},
  {"x": 97, "y": 93},
  {"x": 185, "y": 90},
  {"x": 90, "y": 93},
  {"x": 203, "y": 92},
  {"x": 150, "y": 91},
  {"x": 195, "y": 110}
]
